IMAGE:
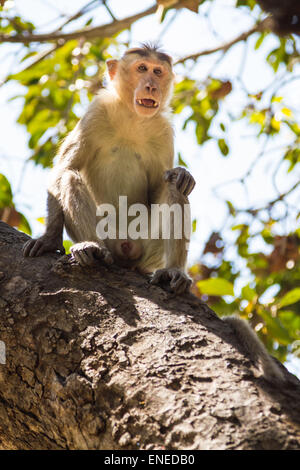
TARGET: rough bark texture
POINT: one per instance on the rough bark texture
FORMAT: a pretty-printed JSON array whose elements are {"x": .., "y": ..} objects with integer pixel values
[{"x": 99, "y": 359}]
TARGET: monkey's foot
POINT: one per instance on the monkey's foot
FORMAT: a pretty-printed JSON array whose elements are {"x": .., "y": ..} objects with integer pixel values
[
  {"x": 177, "y": 279},
  {"x": 39, "y": 246},
  {"x": 87, "y": 253},
  {"x": 182, "y": 179}
]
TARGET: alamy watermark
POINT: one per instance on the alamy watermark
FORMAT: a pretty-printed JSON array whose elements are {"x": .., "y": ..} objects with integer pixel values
[
  {"x": 2, "y": 353},
  {"x": 162, "y": 221}
]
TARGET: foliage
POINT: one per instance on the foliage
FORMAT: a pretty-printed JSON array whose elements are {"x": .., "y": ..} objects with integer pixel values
[
  {"x": 8, "y": 213},
  {"x": 57, "y": 89}
]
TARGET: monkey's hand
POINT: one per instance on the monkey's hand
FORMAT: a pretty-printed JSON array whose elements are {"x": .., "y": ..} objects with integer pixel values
[
  {"x": 174, "y": 277},
  {"x": 87, "y": 253},
  {"x": 44, "y": 244},
  {"x": 182, "y": 179}
]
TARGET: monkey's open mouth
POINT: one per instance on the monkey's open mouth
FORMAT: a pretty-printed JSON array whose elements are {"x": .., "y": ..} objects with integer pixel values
[{"x": 147, "y": 103}]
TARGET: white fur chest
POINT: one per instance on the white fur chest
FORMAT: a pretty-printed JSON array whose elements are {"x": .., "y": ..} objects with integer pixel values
[{"x": 119, "y": 170}]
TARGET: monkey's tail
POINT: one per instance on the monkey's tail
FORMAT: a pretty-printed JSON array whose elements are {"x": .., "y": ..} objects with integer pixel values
[{"x": 255, "y": 348}]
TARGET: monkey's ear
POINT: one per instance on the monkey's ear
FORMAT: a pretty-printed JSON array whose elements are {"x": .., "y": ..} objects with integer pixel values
[{"x": 112, "y": 65}]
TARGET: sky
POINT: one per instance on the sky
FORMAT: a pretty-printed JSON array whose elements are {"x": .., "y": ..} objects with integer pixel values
[{"x": 187, "y": 33}]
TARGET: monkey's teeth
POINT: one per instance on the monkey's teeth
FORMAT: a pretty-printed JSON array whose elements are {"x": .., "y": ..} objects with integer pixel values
[{"x": 142, "y": 102}]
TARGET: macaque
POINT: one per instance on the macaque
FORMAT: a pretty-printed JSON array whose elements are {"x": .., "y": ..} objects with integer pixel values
[{"x": 123, "y": 146}]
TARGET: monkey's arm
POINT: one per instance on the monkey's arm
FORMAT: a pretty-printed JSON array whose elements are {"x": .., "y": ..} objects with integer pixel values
[
  {"x": 72, "y": 156},
  {"x": 255, "y": 349},
  {"x": 52, "y": 240},
  {"x": 178, "y": 184}
]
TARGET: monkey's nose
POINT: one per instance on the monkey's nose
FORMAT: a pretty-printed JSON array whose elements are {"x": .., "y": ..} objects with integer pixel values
[
  {"x": 126, "y": 248},
  {"x": 151, "y": 89}
]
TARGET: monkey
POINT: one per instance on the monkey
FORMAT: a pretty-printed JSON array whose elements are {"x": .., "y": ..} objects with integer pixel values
[
  {"x": 255, "y": 349},
  {"x": 122, "y": 146}
]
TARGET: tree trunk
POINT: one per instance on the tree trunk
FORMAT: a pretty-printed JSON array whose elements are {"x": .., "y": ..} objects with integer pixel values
[{"x": 97, "y": 358}]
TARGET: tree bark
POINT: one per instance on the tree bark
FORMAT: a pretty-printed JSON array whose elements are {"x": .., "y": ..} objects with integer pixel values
[{"x": 98, "y": 358}]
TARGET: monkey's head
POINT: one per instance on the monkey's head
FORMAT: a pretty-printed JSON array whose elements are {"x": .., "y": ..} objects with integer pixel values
[{"x": 143, "y": 79}]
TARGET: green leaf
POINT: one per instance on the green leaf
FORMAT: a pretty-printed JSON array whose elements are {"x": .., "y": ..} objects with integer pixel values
[
  {"x": 277, "y": 330},
  {"x": 278, "y": 55},
  {"x": 291, "y": 297},
  {"x": 248, "y": 293},
  {"x": 276, "y": 99},
  {"x": 194, "y": 225},
  {"x": 67, "y": 245},
  {"x": 215, "y": 286},
  {"x": 258, "y": 117},
  {"x": 291, "y": 321},
  {"x": 181, "y": 162},
  {"x": 89, "y": 22},
  {"x": 293, "y": 156},
  {"x": 238, "y": 226},
  {"x": 6, "y": 199},
  {"x": 294, "y": 127},
  {"x": 247, "y": 3},
  {"x": 24, "y": 225},
  {"x": 28, "y": 55},
  {"x": 260, "y": 40},
  {"x": 231, "y": 208},
  {"x": 275, "y": 124},
  {"x": 223, "y": 147},
  {"x": 287, "y": 112}
]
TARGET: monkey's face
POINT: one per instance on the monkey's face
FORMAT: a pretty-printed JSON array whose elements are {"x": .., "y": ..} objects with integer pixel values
[
  {"x": 143, "y": 83},
  {"x": 151, "y": 82}
]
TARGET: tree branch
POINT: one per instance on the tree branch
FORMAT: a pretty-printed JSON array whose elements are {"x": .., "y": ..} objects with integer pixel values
[
  {"x": 87, "y": 33},
  {"x": 86, "y": 8},
  {"x": 43, "y": 54},
  {"x": 259, "y": 27},
  {"x": 98, "y": 359}
]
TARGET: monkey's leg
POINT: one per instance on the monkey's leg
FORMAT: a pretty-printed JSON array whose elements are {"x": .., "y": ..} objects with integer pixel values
[
  {"x": 174, "y": 274},
  {"x": 179, "y": 183},
  {"x": 80, "y": 220},
  {"x": 69, "y": 202},
  {"x": 52, "y": 240}
]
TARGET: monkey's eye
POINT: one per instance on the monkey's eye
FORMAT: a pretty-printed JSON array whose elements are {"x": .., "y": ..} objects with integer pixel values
[
  {"x": 157, "y": 71},
  {"x": 142, "y": 68}
]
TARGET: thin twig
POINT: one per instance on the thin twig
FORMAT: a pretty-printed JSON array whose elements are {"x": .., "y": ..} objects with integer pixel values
[
  {"x": 89, "y": 6},
  {"x": 38, "y": 58},
  {"x": 105, "y": 30},
  {"x": 109, "y": 10},
  {"x": 271, "y": 203},
  {"x": 166, "y": 27},
  {"x": 42, "y": 55},
  {"x": 261, "y": 26}
]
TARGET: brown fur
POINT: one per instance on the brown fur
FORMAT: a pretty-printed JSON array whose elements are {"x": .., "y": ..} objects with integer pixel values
[{"x": 119, "y": 148}]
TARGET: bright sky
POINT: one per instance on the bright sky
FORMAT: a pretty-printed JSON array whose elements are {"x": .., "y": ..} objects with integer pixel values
[{"x": 187, "y": 33}]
